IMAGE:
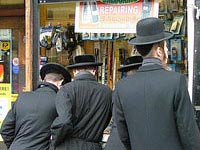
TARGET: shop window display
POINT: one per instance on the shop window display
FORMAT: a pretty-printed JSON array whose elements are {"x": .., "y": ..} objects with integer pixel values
[
  {"x": 173, "y": 13},
  {"x": 110, "y": 45}
]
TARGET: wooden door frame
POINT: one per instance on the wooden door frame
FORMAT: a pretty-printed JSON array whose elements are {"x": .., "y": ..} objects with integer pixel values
[{"x": 32, "y": 44}]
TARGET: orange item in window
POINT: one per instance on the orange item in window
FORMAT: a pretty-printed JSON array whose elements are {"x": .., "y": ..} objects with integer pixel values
[{"x": 1, "y": 72}]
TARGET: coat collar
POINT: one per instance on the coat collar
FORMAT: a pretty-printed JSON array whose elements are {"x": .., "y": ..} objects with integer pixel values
[
  {"x": 151, "y": 60},
  {"x": 150, "y": 64},
  {"x": 84, "y": 75},
  {"x": 150, "y": 67},
  {"x": 47, "y": 84}
]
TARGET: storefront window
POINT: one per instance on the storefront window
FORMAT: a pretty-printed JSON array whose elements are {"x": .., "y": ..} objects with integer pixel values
[
  {"x": 55, "y": 26},
  {"x": 110, "y": 48}
]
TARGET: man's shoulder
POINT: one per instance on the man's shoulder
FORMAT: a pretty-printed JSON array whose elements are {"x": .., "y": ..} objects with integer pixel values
[
  {"x": 78, "y": 82},
  {"x": 25, "y": 93},
  {"x": 173, "y": 75},
  {"x": 165, "y": 74}
]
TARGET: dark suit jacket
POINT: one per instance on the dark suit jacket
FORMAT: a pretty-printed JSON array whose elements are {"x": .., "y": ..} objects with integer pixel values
[
  {"x": 27, "y": 124},
  {"x": 153, "y": 111}
]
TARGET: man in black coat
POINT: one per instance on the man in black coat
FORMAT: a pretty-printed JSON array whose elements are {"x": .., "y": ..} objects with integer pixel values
[
  {"x": 152, "y": 107},
  {"x": 27, "y": 124},
  {"x": 84, "y": 108},
  {"x": 131, "y": 65}
]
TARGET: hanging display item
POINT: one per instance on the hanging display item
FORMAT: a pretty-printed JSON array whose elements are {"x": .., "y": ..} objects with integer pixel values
[
  {"x": 177, "y": 24},
  {"x": 58, "y": 37},
  {"x": 46, "y": 34},
  {"x": 106, "y": 36},
  {"x": 176, "y": 49}
]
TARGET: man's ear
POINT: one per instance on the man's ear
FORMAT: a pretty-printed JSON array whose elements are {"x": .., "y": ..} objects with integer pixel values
[
  {"x": 159, "y": 52},
  {"x": 75, "y": 72},
  {"x": 61, "y": 82},
  {"x": 93, "y": 71}
]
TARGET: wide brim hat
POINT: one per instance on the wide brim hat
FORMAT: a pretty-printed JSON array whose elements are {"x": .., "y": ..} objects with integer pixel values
[
  {"x": 55, "y": 68},
  {"x": 150, "y": 30},
  {"x": 86, "y": 60},
  {"x": 132, "y": 62}
]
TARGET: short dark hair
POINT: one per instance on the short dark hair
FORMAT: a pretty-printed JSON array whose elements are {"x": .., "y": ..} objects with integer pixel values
[{"x": 145, "y": 49}]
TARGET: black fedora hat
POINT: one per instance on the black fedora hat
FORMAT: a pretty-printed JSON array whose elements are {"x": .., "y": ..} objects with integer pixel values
[
  {"x": 150, "y": 30},
  {"x": 55, "y": 68},
  {"x": 132, "y": 62},
  {"x": 86, "y": 60}
]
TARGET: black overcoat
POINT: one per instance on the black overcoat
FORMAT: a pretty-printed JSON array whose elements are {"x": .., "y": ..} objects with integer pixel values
[
  {"x": 153, "y": 111},
  {"x": 84, "y": 111},
  {"x": 27, "y": 124}
]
